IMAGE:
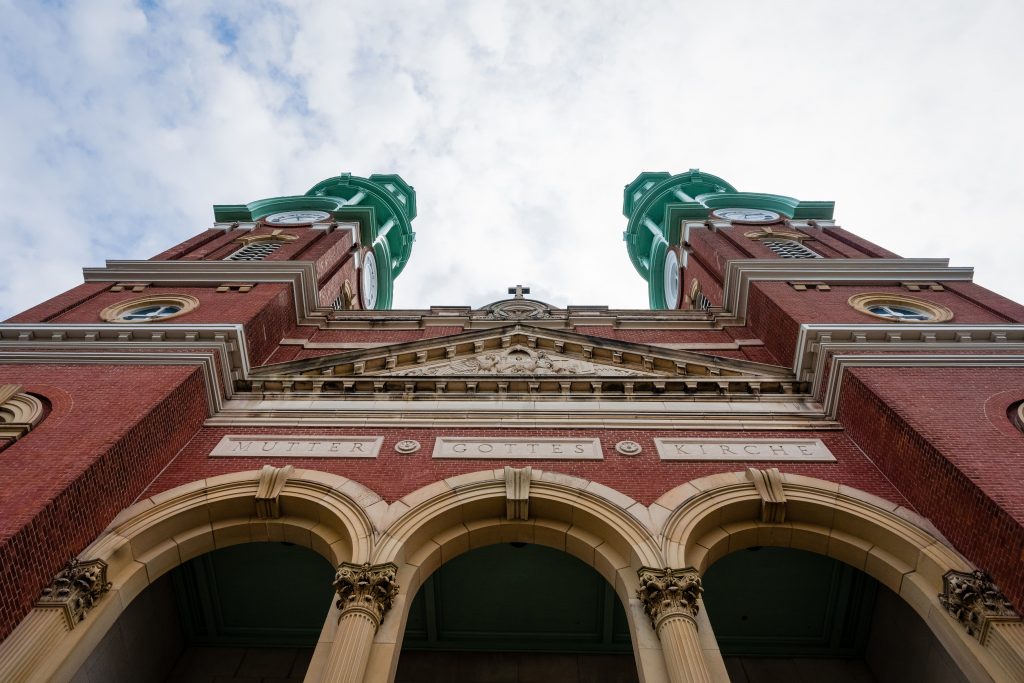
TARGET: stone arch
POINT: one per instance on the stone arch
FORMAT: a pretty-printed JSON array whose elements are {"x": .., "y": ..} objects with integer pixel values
[
  {"x": 327, "y": 513},
  {"x": 20, "y": 412},
  {"x": 604, "y": 528},
  {"x": 713, "y": 516}
]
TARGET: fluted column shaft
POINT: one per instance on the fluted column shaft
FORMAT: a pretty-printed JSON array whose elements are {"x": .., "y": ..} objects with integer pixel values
[
  {"x": 350, "y": 651},
  {"x": 684, "y": 658}
]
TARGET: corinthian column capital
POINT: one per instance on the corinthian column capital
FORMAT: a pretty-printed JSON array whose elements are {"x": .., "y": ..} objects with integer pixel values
[
  {"x": 669, "y": 592},
  {"x": 366, "y": 588}
]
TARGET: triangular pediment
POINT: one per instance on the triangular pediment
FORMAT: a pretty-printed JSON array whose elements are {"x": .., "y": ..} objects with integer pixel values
[{"x": 521, "y": 351}]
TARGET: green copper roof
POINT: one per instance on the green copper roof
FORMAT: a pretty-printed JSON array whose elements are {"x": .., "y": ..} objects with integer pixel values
[
  {"x": 383, "y": 205},
  {"x": 657, "y": 203}
]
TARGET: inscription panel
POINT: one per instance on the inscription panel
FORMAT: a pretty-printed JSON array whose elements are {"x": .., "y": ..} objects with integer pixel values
[
  {"x": 518, "y": 449},
  {"x": 792, "y": 450},
  {"x": 244, "y": 446}
]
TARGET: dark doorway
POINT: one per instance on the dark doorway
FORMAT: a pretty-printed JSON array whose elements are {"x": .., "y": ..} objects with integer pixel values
[
  {"x": 794, "y": 616},
  {"x": 516, "y": 613},
  {"x": 242, "y": 613}
]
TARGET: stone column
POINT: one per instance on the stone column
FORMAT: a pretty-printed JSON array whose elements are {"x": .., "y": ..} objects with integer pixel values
[
  {"x": 670, "y": 599},
  {"x": 365, "y": 594}
]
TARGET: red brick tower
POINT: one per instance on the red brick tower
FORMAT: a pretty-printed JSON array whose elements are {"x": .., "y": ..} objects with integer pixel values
[{"x": 803, "y": 420}]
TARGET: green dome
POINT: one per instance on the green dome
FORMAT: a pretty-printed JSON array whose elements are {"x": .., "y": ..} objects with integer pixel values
[
  {"x": 657, "y": 202},
  {"x": 383, "y": 205}
]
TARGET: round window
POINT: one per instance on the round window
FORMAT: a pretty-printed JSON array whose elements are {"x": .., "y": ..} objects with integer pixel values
[
  {"x": 899, "y": 312},
  {"x": 149, "y": 309},
  {"x": 150, "y": 312},
  {"x": 903, "y": 309}
]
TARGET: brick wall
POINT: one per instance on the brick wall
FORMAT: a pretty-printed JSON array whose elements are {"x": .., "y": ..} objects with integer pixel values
[
  {"x": 644, "y": 477},
  {"x": 942, "y": 436},
  {"x": 110, "y": 431}
]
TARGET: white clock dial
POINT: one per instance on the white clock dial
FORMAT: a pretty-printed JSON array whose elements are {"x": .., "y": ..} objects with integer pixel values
[
  {"x": 746, "y": 215},
  {"x": 297, "y": 217},
  {"x": 368, "y": 283},
  {"x": 671, "y": 279}
]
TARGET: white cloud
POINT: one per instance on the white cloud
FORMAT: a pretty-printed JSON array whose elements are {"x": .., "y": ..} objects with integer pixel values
[{"x": 517, "y": 122}]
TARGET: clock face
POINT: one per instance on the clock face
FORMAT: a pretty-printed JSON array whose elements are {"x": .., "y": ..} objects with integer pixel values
[
  {"x": 297, "y": 217},
  {"x": 746, "y": 215},
  {"x": 671, "y": 279},
  {"x": 368, "y": 281}
]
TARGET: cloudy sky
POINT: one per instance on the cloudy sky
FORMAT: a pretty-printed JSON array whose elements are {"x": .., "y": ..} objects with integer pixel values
[{"x": 517, "y": 122}]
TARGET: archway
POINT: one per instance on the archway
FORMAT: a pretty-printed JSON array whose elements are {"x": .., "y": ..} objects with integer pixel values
[
  {"x": 710, "y": 518},
  {"x": 598, "y": 526},
  {"x": 516, "y": 612},
  {"x": 801, "y": 617},
  {"x": 324, "y": 513},
  {"x": 238, "y": 613}
]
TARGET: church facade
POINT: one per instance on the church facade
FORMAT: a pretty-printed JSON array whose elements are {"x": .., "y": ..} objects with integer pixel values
[{"x": 237, "y": 461}]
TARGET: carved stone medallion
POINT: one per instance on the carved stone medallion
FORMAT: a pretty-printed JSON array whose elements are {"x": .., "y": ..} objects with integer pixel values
[
  {"x": 407, "y": 446},
  {"x": 628, "y": 448}
]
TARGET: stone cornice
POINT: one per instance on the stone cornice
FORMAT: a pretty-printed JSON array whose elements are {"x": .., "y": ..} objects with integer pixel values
[
  {"x": 220, "y": 350},
  {"x": 611, "y": 402},
  {"x": 824, "y": 352},
  {"x": 793, "y": 413},
  {"x": 301, "y": 275},
  {"x": 816, "y": 342},
  {"x": 840, "y": 362},
  {"x": 740, "y": 273},
  {"x": 654, "y": 361}
]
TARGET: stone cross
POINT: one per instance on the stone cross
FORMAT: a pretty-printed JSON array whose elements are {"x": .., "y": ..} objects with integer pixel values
[{"x": 519, "y": 290}]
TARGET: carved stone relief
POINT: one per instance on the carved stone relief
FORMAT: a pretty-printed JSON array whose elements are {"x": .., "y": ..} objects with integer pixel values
[
  {"x": 518, "y": 360},
  {"x": 669, "y": 592},
  {"x": 76, "y": 589},
  {"x": 973, "y": 600},
  {"x": 371, "y": 589}
]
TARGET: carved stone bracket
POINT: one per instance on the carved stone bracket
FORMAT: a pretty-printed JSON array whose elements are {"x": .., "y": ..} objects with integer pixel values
[
  {"x": 370, "y": 589},
  {"x": 272, "y": 480},
  {"x": 19, "y": 412},
  {"x": 977, "y": 603},
  {"x": 517, "y": 492},
  {"x": 773, "y": 499},
  {"x": 76, "y": 589},
  {"x": 669, "y": 592}
]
